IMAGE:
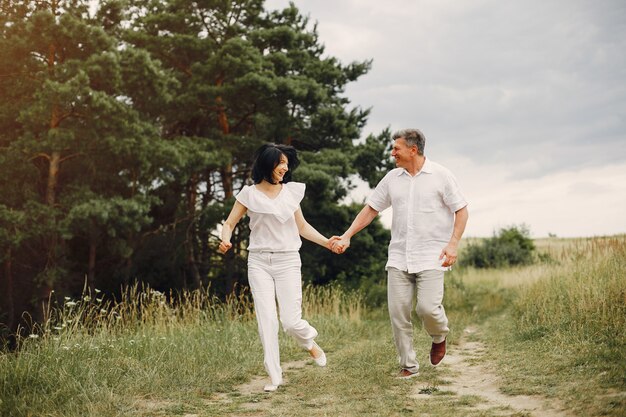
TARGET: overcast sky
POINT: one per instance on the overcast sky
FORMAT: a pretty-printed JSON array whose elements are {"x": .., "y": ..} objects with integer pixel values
[{"x": 525, "y": 101}]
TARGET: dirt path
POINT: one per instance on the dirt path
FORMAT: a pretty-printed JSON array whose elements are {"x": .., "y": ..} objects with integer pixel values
[
  {"x": 470, "y": 375},
  {"x": 471, "y": 382},
  {"x": 253, "y": 389},
  {"x": 255, "y": 386}
]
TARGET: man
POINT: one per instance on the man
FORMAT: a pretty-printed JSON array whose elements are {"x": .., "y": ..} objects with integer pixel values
[{"x": 429, "y": 217}]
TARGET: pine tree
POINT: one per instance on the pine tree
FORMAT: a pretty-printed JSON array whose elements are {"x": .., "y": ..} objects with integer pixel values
[
  {"x": 81, "y": 154},
  {"x": 245, "y": 77}
]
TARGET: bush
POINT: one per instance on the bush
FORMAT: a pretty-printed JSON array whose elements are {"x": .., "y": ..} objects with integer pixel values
[{"x": 509, "y": 247}]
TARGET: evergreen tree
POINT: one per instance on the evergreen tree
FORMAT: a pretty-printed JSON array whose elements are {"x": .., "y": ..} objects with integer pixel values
[
  {"x": 79, "y": 153},
  {"x": 245, "y": 77},
  {"x": 124, "y": 136}
]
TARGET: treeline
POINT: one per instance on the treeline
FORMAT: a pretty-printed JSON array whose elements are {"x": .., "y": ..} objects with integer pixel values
[{"x": 127, "y": 126}]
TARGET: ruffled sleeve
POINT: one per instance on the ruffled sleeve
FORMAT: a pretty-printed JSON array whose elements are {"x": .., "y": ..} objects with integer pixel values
[
  {"x": 282, "y": 207},
  {"x": 244, "y": 196},
  {"x": 295, "y": 192}
]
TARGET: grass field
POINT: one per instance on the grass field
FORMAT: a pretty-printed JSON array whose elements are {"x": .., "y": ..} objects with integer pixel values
[{"x": 554, "y": 329}]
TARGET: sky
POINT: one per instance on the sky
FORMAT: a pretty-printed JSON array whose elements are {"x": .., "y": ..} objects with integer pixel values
[{"x": 524, "y": 101}]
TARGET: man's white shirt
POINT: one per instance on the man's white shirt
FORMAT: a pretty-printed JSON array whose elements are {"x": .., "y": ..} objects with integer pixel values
[{"x": 423, "y": 214}]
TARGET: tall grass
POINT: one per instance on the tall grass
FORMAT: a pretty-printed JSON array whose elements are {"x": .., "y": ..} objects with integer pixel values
[
  {"x": 102, "y": 357},
  {"x": 565, "y": 334},
  {"x": 332, "y": 300},
  {"x": 587, "y": 296},
  {"x": 139, "y": 308}
]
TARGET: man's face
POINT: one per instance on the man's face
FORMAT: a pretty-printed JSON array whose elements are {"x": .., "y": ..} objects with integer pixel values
[{"x": 403, "y": 153}]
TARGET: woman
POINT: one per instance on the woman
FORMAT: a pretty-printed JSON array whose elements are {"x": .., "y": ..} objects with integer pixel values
[{"x": 276, "y": 224}]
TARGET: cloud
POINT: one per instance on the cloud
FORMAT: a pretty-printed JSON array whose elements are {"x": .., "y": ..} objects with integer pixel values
[
  {"x": 588, "y": 202},
  {"x": 530, "y": 93}
]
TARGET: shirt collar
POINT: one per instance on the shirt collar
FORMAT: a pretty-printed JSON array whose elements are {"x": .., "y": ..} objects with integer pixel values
[{"x": 427, "y": 168}]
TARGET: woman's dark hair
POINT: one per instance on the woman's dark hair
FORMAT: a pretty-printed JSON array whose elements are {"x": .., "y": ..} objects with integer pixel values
[{"x": 267, "y": 157}]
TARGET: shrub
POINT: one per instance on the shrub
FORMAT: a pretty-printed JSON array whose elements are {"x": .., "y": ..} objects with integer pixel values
[{"x": 509, "y": 247}]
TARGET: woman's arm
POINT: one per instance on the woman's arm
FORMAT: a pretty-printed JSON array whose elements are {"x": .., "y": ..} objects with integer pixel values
[
  {"x": 236, "y": 213},
  {"x": 308, "y": 232}
]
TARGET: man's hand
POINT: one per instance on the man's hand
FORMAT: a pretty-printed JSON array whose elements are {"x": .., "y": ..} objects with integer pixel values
[
  {"x": 449, "y": 253},
  {"x": 340, "y": 244},
  {"x": 331, "y": 242},
  {"x": 224, "y": 246}
]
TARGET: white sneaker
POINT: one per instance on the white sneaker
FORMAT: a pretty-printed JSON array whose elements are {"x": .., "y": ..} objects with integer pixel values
[
  {"x": 320, "y": 360},
  {"x": 270, "y": 388}
]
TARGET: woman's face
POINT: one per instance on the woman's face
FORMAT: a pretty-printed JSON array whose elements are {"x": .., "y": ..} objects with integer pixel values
[{"x": 281, "y": 169}]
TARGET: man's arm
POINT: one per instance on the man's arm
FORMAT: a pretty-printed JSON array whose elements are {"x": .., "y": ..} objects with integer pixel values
[
  {"x": 450, "y": 251},
  {"x": 364, "y": 218}
]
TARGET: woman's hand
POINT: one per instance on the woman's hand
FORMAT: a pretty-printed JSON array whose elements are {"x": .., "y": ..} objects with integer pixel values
[
  {"x": 225, "y": 246},
  {"x": 331, "y": 242},
  {"x": 339, "y": 244}
]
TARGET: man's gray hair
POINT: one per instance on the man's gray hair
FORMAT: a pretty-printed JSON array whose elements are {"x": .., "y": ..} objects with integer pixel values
[{"x": 412, "y": 137}]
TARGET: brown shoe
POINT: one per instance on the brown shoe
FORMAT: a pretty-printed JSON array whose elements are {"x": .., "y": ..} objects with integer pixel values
[
  {"x": 406, "y": 374},
  {"x": 437, "y": 353}
]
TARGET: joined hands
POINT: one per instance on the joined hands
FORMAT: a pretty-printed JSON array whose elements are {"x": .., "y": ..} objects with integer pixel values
[{"x": 338, "y": 244}]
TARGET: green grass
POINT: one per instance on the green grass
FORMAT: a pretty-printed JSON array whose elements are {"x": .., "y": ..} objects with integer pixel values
[
  {"x": 569, "y": 330},
  {"x": 555, "y": 329}
]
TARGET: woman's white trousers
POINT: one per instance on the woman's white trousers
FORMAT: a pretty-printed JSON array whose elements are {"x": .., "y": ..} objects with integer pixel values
[{"x": 276, "y": 277}]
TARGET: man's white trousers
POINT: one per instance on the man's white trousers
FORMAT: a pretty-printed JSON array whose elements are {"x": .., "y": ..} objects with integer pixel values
[{"x": 402, "y": 288}]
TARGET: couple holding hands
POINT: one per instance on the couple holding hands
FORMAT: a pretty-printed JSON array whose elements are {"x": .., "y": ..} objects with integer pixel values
[{"x": 429, "y": 217}]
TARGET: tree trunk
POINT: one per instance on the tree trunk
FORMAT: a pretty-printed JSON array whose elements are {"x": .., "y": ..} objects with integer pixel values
[
  {"x": 91, "y": 274},
  {"x": 53, "y": 177},
  {"x": 192, "y": 264},
  {"x": 204, "y": 234},
  {"x": 127, "y": 269},
  {"x": 54, "y": 160},
  {"x": 8, "y": 290},
  {"x": 227, "y": 184}
]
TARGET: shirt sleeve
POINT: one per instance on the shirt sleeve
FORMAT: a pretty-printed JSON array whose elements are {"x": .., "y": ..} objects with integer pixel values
[
  {"x": 244, "y": 196},
  {"x": 296, "y": 191},
  {"x": 380, "y": 199},
  {"x": 453, "y": 198}
]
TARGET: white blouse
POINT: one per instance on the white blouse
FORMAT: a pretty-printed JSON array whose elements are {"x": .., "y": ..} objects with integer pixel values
[{"x": 272, "y": 222}]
